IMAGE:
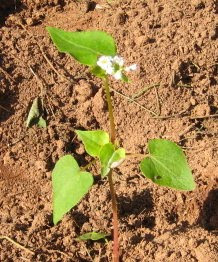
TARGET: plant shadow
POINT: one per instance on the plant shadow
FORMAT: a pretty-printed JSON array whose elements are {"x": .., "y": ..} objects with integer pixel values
[
  {"x": 8, "y": 7},
  {"x": 135, "y": 212},
  {"x": 79, "y": 219},
  {"x": 7, "y": 99},
  {"x": 185, "y": 73},
  {"x": 208, "y": 217},
  {"x": 8, "y": 92}
]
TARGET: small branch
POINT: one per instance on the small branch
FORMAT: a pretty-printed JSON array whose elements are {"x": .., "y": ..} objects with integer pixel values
[
  {"x": 39, "y": 81},
  {"x": 43, "y": 90},
  {"x": 51, "y": 65},
  {"x": 87, "y": 251},
  {"x": 17, "y": 244},
  {"x": 16, "y": 141},
  {"x": 181, "y": 116},
  {"x": 143, "y": 91},
  {"x": 170, "y": 116},
  {"x": 31, "y": 252},
  {"x": 2, "y": 107},
  {"x": 99, "y": 255},
  {"x": 135, "y": 102},
  {"x": 207, "y": 116},
  {"x": 187, "y": 129},
  {"x": 45, "y": 56},
  {"x": 157, "y": 100}
]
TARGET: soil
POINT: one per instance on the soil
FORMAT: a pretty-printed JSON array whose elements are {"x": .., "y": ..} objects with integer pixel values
[{"x": 174, "y": 44}]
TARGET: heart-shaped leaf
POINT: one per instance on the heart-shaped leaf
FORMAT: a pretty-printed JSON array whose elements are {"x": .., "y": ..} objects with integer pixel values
[
  {"x": 85, "y": 46},
  {"x": 167, "y": 165},
  {"x": 110, "y": 158},
  {"x": 69, "y": 184},
  {"x": 93, "y": 141}
]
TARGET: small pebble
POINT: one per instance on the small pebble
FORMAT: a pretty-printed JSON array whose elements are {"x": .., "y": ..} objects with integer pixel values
[
  {"x": 192, "y": 101},
  {"x": 31, "y": 21}
]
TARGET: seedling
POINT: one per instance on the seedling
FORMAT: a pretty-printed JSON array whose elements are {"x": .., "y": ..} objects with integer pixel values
[
  {"x": 165, "y": 163},
  {"x": 94, "y": 236}
]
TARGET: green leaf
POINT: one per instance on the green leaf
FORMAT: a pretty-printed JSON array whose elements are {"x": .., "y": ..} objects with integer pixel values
[
  {"x": 85, "y": 46},
  {"x": 98, "y": 71},
  {"x": 69, "y": 185},
  {"x": 110, "y": 158},
  {"x": 41, "y": 122},
  {"x": 167, "y": 165},
  {"x": 94, "y": 236},
  {"x": 33, "y": 113},
  {"x": 93, "y": 140}
]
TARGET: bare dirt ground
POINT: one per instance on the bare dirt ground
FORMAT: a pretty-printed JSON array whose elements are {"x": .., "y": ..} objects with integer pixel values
[{"x": 175, "y": 46}]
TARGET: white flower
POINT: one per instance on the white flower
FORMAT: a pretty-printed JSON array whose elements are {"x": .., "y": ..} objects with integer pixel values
[
  {"x": 118, "y": 75},
  {"x": 118, "y": 60},
  {"x": 114, "y": 66},
  {"x": 105, "y": 62},
  {"x": 109, "y": 70},
  {"x": 131, "y": 68}
]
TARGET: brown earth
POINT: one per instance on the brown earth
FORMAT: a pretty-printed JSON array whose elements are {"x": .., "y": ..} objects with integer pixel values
[{"x": 174, "y": 44}]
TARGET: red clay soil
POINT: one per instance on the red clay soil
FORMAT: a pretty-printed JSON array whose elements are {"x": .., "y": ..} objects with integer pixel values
[{"x": 174, "y": 44}]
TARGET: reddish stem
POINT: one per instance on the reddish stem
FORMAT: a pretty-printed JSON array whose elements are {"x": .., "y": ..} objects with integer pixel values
[
  {"x": 110, "y": 179},
  {"x": 115, "y": 219}
]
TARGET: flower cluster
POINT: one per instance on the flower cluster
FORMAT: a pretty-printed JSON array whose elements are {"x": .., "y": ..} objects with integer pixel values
[{"x": 114, "y": 66}]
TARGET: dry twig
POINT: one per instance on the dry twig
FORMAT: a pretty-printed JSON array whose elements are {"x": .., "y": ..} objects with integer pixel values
[
  {"x": 43, "y": 92},
  {"x": 143, "y": 91},
  {"x": 44, "y": 55},
  {"x": 157, "y": 100},
  {"x": 17, "y": 244},
  {"x": 135, "y": 102},
  {"x": 207, "y": 116},
  {"x": 2, "y": 107},
  {"x": 186, "y": 130}
]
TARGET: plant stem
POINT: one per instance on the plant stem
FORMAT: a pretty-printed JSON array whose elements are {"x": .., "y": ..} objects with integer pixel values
[
  {"x": 110, "y": 179},
  {"x": 115, "y": 219},
  {"x": 110, "y": 109}
]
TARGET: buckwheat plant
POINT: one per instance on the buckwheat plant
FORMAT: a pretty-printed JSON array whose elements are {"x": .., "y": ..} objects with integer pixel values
[{"x": 165, "y": 164}]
